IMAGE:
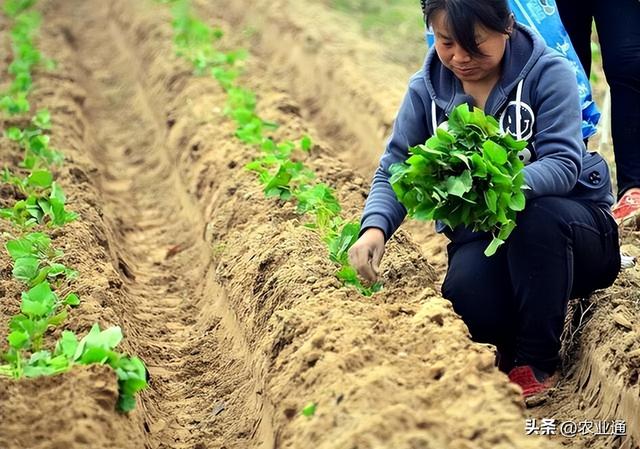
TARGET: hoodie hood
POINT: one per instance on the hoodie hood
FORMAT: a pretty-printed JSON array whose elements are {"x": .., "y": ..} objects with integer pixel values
[{"x": 522, "y": 51}]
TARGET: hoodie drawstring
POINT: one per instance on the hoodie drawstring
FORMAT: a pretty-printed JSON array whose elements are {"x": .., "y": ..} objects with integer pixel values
[
  {"x": 434, "y": 122},
  {"x": 518, "y": 110}
]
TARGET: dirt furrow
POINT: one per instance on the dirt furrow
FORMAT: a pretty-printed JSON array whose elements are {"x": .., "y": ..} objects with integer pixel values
[
  {"x": 283, "y": 331},
  {"x": 156, "y": 218},
  {"x": 342, "y": 84},
  {"x": 233, "y": 303},
  {"x": 349, "y": 92}
]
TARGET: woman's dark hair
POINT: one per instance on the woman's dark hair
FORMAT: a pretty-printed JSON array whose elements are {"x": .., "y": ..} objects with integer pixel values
[{"x": 463, "y": 15}]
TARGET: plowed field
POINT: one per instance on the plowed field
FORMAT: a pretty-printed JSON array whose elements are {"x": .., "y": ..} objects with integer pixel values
[{"x": 232, "y": 304}]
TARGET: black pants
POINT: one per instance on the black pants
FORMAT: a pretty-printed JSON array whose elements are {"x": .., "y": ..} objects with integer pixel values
[
  {"x": 618, "y": 25},
  {"x": 517, "y": 298}
]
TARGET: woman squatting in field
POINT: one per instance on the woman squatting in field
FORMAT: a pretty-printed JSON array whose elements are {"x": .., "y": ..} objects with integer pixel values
[{"x": 565, "y": 243}]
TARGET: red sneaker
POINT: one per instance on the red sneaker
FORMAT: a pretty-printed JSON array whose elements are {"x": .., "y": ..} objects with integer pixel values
[
  {"x": 535, "y": 391},
  {"x": 628, "y": 208}
]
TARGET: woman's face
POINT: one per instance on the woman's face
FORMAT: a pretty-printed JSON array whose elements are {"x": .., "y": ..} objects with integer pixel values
[{"x": 466, "y": 67}]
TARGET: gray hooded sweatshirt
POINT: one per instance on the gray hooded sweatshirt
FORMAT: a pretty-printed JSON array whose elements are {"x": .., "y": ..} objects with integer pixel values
[{"x": 536, "y": 99}]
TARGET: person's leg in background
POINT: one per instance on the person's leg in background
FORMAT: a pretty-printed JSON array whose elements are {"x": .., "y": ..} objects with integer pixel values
[
  {"x": 577, "y": 17},
  {"x": 618, "y": 26},
  {"x": 618, "y": 29}
]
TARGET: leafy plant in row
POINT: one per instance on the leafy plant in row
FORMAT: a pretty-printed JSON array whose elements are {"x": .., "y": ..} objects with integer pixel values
[
  {"x": 35, "y": 142},
  {"x": 36, "y": 263},
  {"x": 45, "y": 199},
  {"x": 40, "y": 309},
  {"x": 340, "y": 239},
  {"x": 25, "y": 56},
  {"x": 194, "y": 41},
  {"x": 34, "y": 260},
  {"x": 468, "y": 174},
  {"x": 44, "y": 206},
  {"x": 97, "y": 347},
  {"x": 12, "y": 8}
]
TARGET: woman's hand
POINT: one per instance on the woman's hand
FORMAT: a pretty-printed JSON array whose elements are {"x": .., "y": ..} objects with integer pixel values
[{"x": 366, "y": 253}]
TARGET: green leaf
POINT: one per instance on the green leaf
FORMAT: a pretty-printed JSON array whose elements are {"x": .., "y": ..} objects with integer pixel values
[
  {"x": 39, "y": 143},
  {"x": 19, "y": 248},
  {"x": 41, "y": 293},
  {"x": 92, "y": 355},
  {"x": 517, "y": 201},
  {"x": 310, "y": 409},
  {"x": 34, "y": 308},
  {"x": 72, "y": 300},
  {"x": 67, "y": 344},
  {"x": 26, "y": 268},
  {"x": 112, "y": 337},
  {"x": 494, "y": 152},
  {"x": 305, "y": 143},
  {"x": 17, "y": 339},
  {"x": 41, "y": 364},
  {"x": 21, "y": 323},
  {"x": 458, "y": 118},
  {"x": 444, "y": 137},
  {"x": 461, "y": 156},
  {"x": 347, "y": 274},
  {"x": 434, "y": 146},
  {"x": 491, "y": 199},
  {"x": 126, "y": 403},
  {"x": 268, "y": 145},
  {"x": 103, "y": 340},
  {"x": 42, "y": 119},
  {"x": 513, "y": 144},
  {"x": 340, "y": 244},
  {"x": 56, "y": 269},
  {"x": 14, "y": 134},
  {"x": 478, "y": 118},
  {"x": 57, "y": 319},
  {"x": 317, "y": 199},
  {"x": 506, "y": 230},
  {"x": 57, "y": 192},
  {"x": 479, "y": 166},
  {"x": 70, "y": 274},
  {"x": 40, "y": 178},
  {"x": 459, "y": 185}
]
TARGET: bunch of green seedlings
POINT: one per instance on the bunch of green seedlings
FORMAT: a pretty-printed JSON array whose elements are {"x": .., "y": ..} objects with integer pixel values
[
  {"x": 468, "y": 174},
  {"x": 35, "y": 262},
  {"x": 282, "y": 175}
]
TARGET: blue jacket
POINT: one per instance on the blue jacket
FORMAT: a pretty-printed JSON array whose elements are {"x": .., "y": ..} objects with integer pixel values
[{"x": 535, "y": 78}]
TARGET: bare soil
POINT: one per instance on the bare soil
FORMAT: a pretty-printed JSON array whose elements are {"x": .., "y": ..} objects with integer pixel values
[{"x": 229, "y": 300}]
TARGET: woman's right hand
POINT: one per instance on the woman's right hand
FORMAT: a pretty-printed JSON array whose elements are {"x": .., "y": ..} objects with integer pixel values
[{"x": 366, "y": 253}]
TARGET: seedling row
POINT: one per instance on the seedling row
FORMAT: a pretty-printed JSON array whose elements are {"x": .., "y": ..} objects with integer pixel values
[
  {"x": 278, "y": 165},
  {"x": 48, "y": 297}
]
